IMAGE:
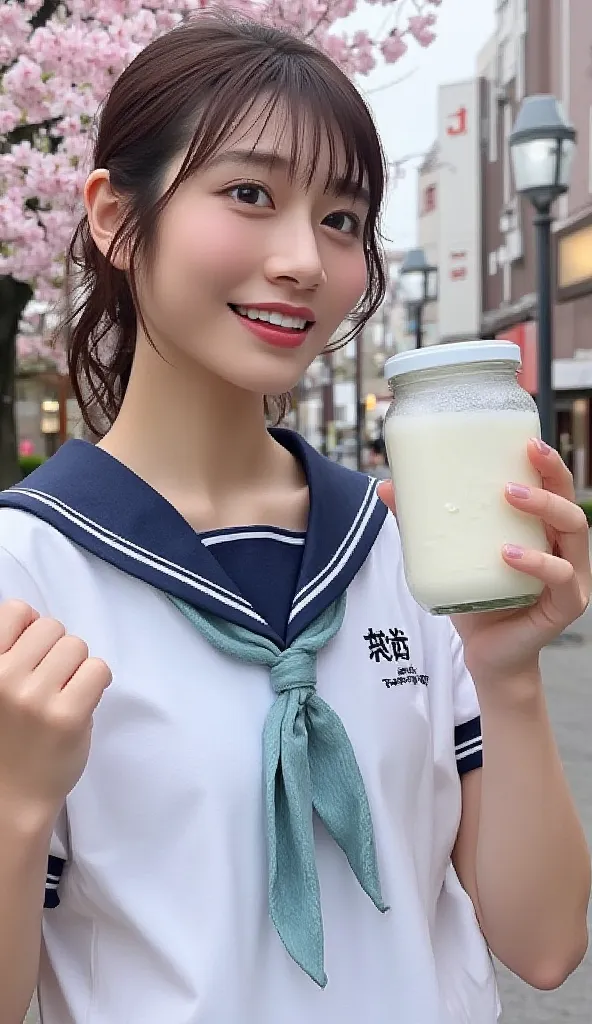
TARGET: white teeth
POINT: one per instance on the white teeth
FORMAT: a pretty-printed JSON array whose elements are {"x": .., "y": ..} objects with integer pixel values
[{"x": 279, "y": 319}]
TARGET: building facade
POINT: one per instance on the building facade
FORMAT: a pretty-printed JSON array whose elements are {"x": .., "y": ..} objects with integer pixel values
[
  {"x": 450, "y": 215},
  {"x": 541, "y": 46},
  {"x": 429, "y": 200},
  {"x": 346, "y": 390}
]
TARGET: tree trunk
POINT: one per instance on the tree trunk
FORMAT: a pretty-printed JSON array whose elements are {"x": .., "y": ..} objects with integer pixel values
[{"x": 14, "y": 296}]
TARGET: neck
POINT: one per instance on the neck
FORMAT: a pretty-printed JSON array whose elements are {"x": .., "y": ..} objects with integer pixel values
[{"x": 200, "y": 442}]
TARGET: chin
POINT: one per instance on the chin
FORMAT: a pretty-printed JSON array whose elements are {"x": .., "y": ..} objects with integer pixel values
[{"x": 272, "y": 382}]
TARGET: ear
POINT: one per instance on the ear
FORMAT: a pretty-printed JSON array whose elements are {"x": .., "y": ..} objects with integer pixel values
[{"x": 104, "y": 210}]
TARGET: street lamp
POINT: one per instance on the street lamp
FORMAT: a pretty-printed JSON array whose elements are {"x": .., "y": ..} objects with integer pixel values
[
  {"x": 542, "y": 145},
  {"x": 419, "y": 280}
]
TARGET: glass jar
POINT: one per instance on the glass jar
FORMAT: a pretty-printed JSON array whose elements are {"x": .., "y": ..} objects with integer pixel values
[{"x": 456, "y": 433}]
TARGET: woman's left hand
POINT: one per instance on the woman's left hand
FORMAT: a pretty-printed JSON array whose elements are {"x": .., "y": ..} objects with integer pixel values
[{"x": 501, "y": 645}]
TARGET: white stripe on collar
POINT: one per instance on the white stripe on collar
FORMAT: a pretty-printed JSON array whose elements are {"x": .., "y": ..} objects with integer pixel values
[
  {"x": 142, "y": 555},
  {"x": 223, "y": 538},
  {"x": 346, "y": 550},
  {"x": 370, "y": 499}
]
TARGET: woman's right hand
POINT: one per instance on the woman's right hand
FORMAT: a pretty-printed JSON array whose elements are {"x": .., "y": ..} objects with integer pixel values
[{"x": 49, "y": 689}]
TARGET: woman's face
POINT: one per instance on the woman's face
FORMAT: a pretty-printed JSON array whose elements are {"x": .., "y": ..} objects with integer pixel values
[{"x": 240, "y": 237}]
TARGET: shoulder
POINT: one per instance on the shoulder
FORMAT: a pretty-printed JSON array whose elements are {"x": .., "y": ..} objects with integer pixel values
[
  {"x": 27, "y": 538},
  {"x": 35, "y": 559}
]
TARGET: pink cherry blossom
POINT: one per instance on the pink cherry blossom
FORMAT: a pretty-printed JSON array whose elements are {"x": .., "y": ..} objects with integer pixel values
[
  {"x": 420, "y": 27},
  {"x": 55, "y": 77},
  {"x": 394, "y": 47}
]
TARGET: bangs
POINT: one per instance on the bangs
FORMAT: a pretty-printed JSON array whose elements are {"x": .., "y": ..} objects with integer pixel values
[{"x": 320, "y": 117}]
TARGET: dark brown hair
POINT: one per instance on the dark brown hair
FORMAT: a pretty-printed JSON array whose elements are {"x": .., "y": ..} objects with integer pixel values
[{"x": 187, "y": 91}]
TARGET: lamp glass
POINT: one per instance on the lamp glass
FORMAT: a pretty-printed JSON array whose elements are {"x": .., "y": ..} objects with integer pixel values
[
  {"x": 568, "y": 148},
  {"x": 412, "y": 283},
  {"x": 431, "y": 285},
  {"x": 535, "y": 163}
]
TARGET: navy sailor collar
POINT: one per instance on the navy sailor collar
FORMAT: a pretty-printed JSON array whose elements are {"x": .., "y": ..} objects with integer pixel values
[{"x": 104, "y": 507}]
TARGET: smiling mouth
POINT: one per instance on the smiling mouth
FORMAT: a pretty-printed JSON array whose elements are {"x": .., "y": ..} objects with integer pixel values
[{"x": 278, "y": 321}]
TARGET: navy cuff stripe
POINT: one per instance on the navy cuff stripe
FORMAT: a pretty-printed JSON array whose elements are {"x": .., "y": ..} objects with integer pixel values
[
  {"x": 55, "y": 867},
  {"x": 468, "y": 745}
]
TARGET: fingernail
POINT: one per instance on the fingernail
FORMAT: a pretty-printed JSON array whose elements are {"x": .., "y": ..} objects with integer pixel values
[
  {"x": 542, "y": 446},
  {"x": 512, "y": 551},
  {"x": 518, "y": 491}
]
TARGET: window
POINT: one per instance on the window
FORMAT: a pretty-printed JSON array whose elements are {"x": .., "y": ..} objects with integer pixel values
[
  {"x": 574, "y": 263},
  {"x": 429, "y": 199}
]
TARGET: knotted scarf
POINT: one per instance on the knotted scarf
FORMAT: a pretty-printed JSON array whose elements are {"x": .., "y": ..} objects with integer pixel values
[{"x": 308, "y": 762}]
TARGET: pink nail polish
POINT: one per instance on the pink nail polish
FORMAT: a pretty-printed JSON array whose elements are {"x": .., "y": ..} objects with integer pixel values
[
  {"x": 542, "y": 446},
  {"x": 518, "y": 491},
  {"x": 512, "y": 551}
]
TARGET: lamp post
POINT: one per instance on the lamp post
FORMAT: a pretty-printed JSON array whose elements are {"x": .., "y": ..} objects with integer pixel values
[
  {"x": 542, "y": 145},
  {"x": 419, "y": 280}
]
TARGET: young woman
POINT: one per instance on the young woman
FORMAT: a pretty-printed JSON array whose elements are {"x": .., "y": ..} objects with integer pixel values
[{"x": 285, "y": 782}]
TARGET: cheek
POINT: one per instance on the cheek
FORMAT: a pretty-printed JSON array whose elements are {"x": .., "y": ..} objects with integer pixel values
[
  {"x": 351, "y": 280},
  {"x": 202, "y": 244}
]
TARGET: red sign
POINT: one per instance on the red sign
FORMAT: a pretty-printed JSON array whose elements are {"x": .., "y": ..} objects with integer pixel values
[
  {"x": 458, "y": 269},
  {"x": 457, "y": 122},
  {"x": 525, "y": 336}
]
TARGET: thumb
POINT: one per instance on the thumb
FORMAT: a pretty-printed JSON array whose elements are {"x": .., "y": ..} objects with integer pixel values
[{"x": 386, "y": 493}]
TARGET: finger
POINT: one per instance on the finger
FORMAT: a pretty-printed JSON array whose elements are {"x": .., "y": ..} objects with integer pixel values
[
  {"x": 566, "y": 519},
  {"x": 86, "y": 687},
  {"x": 386, "y": 493},
  {"x": 35, "y": 643},
  {"x": 548, "y": 462},
  {"x": 15, "y": 618},
  {"x": 556, "y": 573},
  {"x": 60, "y": 663}
]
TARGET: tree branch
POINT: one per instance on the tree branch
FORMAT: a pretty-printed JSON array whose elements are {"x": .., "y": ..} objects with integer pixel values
[
  {"x": 395, "y": 81},
  {"x": 46, "y": 11},
  {"x": 320, "y": 21}
]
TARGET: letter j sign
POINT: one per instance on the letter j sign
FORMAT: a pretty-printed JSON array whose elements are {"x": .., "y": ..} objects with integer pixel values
[{"x": 457, "y": 122}]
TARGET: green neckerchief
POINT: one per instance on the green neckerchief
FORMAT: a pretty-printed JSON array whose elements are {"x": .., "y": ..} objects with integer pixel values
[{"x": 308, "y": 762}]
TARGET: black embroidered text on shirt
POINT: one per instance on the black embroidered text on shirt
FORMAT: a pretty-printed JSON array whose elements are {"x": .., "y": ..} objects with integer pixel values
[
  {"x": 407, "y": 676},
  {"x": 391, "y": 646}
]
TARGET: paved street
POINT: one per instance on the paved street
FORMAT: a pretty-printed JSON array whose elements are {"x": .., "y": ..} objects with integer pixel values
[{"x": 568, "y": 675}]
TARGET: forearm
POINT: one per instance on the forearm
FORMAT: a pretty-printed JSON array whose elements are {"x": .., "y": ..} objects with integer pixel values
[
  {"x": 532, "y": 863},
  {"x": 24, "y": 846}
]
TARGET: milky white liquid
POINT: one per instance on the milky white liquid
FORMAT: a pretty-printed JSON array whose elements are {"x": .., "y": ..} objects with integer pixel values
[{"x": 449, "y": 472}]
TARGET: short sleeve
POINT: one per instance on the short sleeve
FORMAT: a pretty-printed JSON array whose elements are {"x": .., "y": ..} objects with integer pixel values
[
  {"x": 17, "y": 583},
  {"x": 468, "y": 742}
]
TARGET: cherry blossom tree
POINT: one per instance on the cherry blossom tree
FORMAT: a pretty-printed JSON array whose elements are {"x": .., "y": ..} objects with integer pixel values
[{"x": 58, "y": 59}]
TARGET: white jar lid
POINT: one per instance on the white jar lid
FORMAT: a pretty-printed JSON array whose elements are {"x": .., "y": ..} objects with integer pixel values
[{"x": 456, "y": 353}]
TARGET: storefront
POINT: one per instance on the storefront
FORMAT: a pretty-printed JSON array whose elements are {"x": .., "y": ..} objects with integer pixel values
[
  {"x": 573, "y": 333},
  {"x": 46, "y": 413},
  {"x": 572, "y": 386}
]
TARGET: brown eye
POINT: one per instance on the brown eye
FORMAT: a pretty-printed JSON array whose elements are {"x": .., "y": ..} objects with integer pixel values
[
  {"x": 345, "y": 223},
  {"x": 250, "y": 195}
]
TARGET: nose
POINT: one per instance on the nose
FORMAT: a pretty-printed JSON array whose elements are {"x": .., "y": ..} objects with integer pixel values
[{"x": 294, "y": 257}]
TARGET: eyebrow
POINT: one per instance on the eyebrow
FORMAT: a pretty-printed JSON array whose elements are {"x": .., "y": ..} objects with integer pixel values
[{"x": 340, "y": 186}]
